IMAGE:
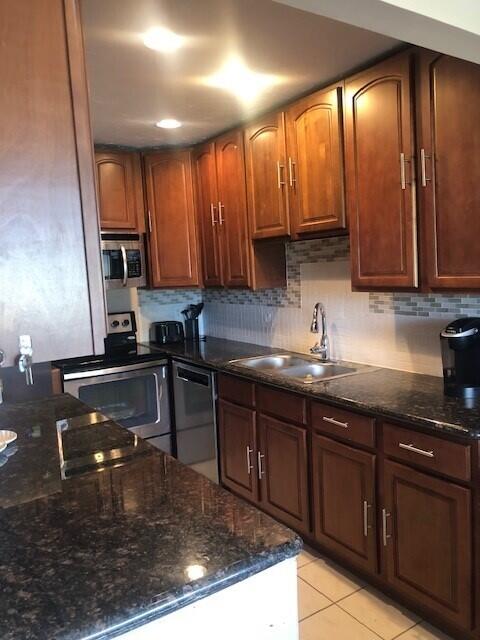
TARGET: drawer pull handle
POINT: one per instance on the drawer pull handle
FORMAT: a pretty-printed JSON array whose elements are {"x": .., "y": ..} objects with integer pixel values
[
  {"x": 421, "y": 452},
  {"x": 366, "y": 526},
  {"x": 249, "y": 460},
  {"x": 261, "y": 470},
  {"x": 337, "y": 423},
  {"x": 385, "y": 535}
]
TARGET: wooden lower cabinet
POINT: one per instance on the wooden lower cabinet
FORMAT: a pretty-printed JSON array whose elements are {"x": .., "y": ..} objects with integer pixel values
[
  {"x": 427, "y": 533},
  {"x": 237, "y": 449},
  {"x": 343, "y": 482},
  {"x": 283, "y": 471}
]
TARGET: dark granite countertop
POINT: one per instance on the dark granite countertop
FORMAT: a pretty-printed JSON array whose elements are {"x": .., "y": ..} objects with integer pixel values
[
  {"x": 408, "y": 397},
  {"x": 96, "y": 548}
]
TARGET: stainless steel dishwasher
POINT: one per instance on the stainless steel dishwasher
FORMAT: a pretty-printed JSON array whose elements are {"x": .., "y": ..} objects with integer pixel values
[{"x": 196, "y": 429}]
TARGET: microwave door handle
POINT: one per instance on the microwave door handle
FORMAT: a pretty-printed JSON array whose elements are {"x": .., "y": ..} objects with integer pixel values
[{"x": 125, "y": 265}]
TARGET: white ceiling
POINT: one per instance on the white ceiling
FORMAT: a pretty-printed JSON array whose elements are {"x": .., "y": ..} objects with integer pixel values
[{"x": 132, "y": 87}]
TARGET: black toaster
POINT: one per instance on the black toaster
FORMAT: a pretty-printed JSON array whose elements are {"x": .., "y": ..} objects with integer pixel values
[{"x": 166, "y": 332}]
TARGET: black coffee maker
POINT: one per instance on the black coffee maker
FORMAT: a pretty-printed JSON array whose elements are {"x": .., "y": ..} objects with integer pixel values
[{"x": 460, "y": 342}]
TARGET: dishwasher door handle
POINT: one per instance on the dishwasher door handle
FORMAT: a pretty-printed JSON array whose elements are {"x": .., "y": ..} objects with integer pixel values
[{"x": 194, "y": 377}]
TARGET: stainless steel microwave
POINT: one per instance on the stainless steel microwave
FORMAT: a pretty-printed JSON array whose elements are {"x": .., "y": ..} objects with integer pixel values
[{"x": 123, "y": 256}]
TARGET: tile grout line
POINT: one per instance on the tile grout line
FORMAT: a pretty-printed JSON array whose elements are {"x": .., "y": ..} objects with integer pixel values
[{"x": 370, "y": 629}]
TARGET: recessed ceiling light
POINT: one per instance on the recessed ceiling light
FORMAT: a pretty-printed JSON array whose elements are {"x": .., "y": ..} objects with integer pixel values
[
  {"x": 162, "y": 39},
  {"x": 237, "y": 78},
  {"x": 168, "y": 123}
]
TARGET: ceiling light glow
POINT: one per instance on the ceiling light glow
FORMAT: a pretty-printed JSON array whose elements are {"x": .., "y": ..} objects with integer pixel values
[
  {"x": 162, "y": 39},
  {"x": 237, "y": 78},
  {"x": 168, "y": 123}
]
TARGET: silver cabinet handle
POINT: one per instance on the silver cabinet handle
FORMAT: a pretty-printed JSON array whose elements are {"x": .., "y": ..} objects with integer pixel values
[
  {"x": 291, "y": 173},
  {"x": 125, "y": 265},
  {"x": 149, "y": 221},
  {"x": 280, "y": 168},
  {"x": 261, "y": 470},
  {"x": 423, "y": 167},
  {"x": 366, "y": 526},
  {"x": 403, "y": 181},
  {"x": 421, "y": 452},
  {"x": 212, "y": 213},
  {"x": 385, "y": 514},
  {"x": 249, "y": 460},
  {"x": 337, "y": 423},
  {"x": 221, "y": 219}
]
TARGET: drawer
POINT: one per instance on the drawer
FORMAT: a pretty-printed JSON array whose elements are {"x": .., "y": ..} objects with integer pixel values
[
  {"x": 286, "y": 406},
  {"x": 429, "y": 452},
  {"x": 236, "y": 390},
  {"x": 347, "y": 425}
]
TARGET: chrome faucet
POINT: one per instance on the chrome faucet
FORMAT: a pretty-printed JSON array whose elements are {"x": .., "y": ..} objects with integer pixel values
[{"x": 321, "y": 348}]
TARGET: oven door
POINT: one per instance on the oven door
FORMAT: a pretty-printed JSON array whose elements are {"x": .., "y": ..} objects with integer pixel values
[
  {"x": 123, "y": 263},
  {"x": 134, "y": 396}
]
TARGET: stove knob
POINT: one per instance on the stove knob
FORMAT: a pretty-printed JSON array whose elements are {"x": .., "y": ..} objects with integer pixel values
[
  {"x": 115, "y": 324},
  {"x": 125, "y": 323}
]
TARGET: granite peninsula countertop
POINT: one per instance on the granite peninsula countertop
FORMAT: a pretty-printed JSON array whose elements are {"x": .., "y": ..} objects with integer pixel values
[
  {"x": 406, "y": 397},
  {"x": 96, "y": 550}
]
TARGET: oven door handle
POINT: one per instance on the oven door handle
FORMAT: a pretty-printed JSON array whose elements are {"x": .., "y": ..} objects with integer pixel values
[{"x": 125, "y": 265}]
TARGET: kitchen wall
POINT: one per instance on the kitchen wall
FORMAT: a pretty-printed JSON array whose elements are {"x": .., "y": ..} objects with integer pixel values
[{"x": 397, "y": 330}]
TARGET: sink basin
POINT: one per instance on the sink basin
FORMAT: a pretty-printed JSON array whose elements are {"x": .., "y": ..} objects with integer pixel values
[{"x": 291, "y": 366}]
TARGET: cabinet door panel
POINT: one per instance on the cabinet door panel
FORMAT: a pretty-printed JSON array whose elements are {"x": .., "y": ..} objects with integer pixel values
[
  {"x": 428, "y": 550},
  {"x": 120, "y": 196},
  {"x": 380, "y": 193},
  {"x": 266, "y": 177},
  {"x": 315, "y": 172},
  {"x": 284, "y": 482},
  {"x": 206, "y": 202},
  {"x": 449, "y": 135},
  {"x": 173, "y": 249},
  {"x": 233, "y": 209},
  {"x": 237, "y": 449},
  {"x": 344, "y": 500}
]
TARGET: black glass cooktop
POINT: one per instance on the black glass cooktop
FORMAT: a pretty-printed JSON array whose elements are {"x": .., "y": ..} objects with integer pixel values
[{"x": 117, "y": 358}]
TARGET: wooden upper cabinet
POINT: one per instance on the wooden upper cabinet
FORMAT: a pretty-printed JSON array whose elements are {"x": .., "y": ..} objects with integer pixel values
[
  {"x": 315, "y": 163},
  {"x": 343, "y": 481},
  {"x": 427, "y": 542},
  {"x": 120, "y": 191},
  {"x": 380, "y": 181},
  {"x": 232, "y": 208},
  {"x": 206, "y": 202},
  {"x": 173, "y": 237},
  {"x": 265, "y": 158},
  {"x": 283, "y": 468},
  {"x": 449, "y": 168}
]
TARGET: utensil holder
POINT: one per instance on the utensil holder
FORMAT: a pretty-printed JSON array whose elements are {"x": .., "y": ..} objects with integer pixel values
[{"x": 191, "y": 329}]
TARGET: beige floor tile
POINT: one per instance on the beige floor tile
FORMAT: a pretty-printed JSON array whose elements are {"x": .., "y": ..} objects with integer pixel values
[
  {"x": 379, "y": 613},
  {"x": 334, "y": 624},
  {"x": 423, "y": 631},
  {"x": 306, "y": 555},
  {"x": 309, "y": 600},
  {"x": 329, "y": 579}
]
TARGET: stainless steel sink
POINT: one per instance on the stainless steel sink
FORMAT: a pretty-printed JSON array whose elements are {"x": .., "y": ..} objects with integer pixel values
[{"x": 291, "y": 366}]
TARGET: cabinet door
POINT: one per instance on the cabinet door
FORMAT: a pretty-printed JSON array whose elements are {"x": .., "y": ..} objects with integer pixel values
[
  {"x": 344, "y": 500},
  {"x": 449, "y": 166},
  {"x": 282, "y": 469},
  {"x": 173, "y": 239},
  {"x": 427, "y": 538},
  {"x": 120, "y": 193},
  {"x": 380, "y": 188},
  {"x": 237, "y": 449},
  {"x": 232, "y": 209},
  {"x": 315, "y": 162},
  {"x": 206, "y": 204},
  {"x": 266, "y": 177}
]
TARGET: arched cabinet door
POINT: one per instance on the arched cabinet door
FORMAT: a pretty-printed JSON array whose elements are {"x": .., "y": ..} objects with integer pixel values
[
  {"x": 314, "y": 170},
  {"x": 380, "y": 175},
  {"x": 267, "y": 184},
  {"x": 173, "y": 237},
  {"x": 120, "y": 194},
  {"x": 448, "y": 169},
  {"x": 232, "y": 209}
]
